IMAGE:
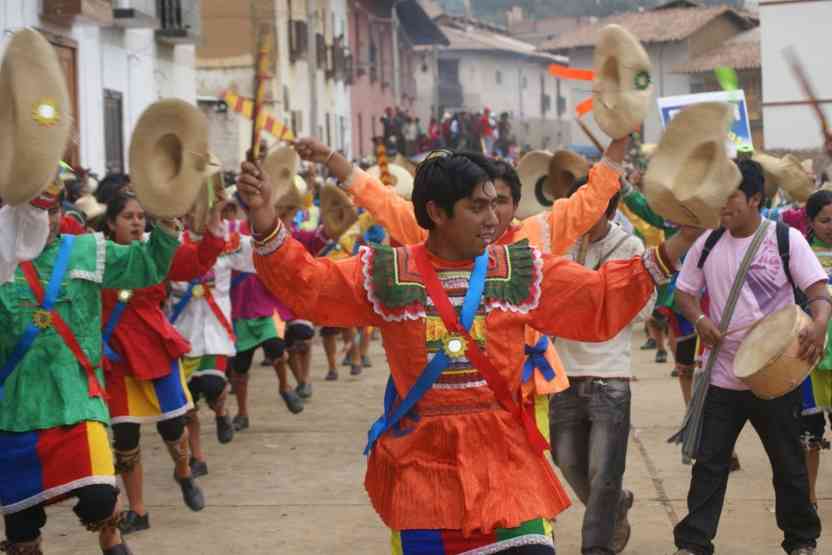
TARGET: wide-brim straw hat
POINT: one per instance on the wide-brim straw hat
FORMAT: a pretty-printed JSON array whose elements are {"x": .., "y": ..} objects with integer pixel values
[
  {"x": 406, "y": 163},
  {"x": 90, "y": 207},
  {"x": 169, "y": 157},
  {"x": 282, "y": 165},
  {"x": 787, "y": 173},
  {"x": 622, "y": 87},
  {"x": 337, "y": 211},
  {"x": 402, "y": 179},
  {"x": 690, "y": 177},
  {"x": 546, "y": 177},
  {"x": 35, "y": 117}
]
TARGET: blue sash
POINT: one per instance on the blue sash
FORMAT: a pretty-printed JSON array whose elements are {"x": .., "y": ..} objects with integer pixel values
[
  {"x": 179, "y": 307},
  {"x": 112, "y": 322},
  {"x": 440, "y": 361},
  {"x": 536, "y": 359},
  {"x": 32, "y": 331}
]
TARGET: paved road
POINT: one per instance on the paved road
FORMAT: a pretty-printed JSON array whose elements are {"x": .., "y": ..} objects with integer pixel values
[{"x": 293, "y": 484}]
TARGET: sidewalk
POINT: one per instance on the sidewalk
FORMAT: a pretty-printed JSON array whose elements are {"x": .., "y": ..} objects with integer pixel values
[{"x": 294, "y": 484}]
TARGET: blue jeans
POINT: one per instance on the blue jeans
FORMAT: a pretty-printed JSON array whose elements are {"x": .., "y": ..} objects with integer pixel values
[{"x": 589, "y": 425}]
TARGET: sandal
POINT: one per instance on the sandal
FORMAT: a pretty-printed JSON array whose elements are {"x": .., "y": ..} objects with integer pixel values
[
  {"x": 293, "y": 402},
  {"x": 332, "y": 375}
]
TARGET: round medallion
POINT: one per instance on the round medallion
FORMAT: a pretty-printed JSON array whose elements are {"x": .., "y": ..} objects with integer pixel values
[
  {"x": 42, "y": 319},
  {"x": 198, "y": 291},
  {"x": 642, "y": 80},
  {"x": 45, "y": 112},
  {"x": 124, "y": 295},
  {"x": 455, "y": 346}
]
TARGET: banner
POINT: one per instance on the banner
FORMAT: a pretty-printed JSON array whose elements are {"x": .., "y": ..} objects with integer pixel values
[{"x": 740, "y": 134}]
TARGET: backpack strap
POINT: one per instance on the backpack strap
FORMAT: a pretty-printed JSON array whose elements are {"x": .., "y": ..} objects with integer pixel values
[
  {"x": 710, "y": 242},
  {"x": 784, "y": 249}
]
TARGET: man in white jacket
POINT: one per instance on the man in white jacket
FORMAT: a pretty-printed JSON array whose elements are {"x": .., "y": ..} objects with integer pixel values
[{"x": 590, "y": 421}]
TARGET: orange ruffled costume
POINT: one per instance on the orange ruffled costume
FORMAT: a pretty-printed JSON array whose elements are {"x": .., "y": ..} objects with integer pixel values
[
  {"x": 466, "y": 464},
  {"x": 552, "y": 232}
]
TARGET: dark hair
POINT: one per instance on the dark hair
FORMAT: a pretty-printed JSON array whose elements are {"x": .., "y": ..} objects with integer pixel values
[
  {"x": 446, "y": 178},
  {"x": 817, "y": 202},
  {"x": 614, "y": 201},
  {"x": 753, "y": 180},
  {"x": 505, "y": 171},
  {"x": 110, "y": 185},
  {"x": 116, "y": 206}
]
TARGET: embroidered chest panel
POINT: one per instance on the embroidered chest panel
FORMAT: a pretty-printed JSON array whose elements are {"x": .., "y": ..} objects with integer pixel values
[{"x": 395, "y": 288}]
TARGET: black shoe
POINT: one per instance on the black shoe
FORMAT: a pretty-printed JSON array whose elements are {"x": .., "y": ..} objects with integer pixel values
[
  {"x": 240, "y": 423},
  {"x": 649, "y": 345},
  {"x": 366, "y": 362},
  {"x": 661, "y": 357},
  {"x": 132, "y": 522},
  {"x": 225, "y": 430},
  {"x": 356, "y": 370},
  {"x": 120, "y": 549},
  {"x": 191, "y": 493},
  {"x": 198, "y": 468},
  {"x": 674, "y": 373},
  {"x": 304, "y": 390},
  {"x": 332, "y": 376},
  {"x": 293, "y": 402}
]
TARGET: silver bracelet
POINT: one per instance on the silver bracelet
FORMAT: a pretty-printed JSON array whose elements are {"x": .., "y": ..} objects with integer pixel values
[
  {"x": 329, "y": 158},
  {"x": 701, "y": 317}
]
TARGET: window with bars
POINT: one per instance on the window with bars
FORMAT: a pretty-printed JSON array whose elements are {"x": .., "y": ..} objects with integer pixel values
[{"x": 114, "y": 131}]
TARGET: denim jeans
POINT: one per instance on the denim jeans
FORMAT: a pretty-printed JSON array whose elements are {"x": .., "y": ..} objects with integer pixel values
[
  {"x": 777, "y": 422},
  {"x": 589, "y": 427}
]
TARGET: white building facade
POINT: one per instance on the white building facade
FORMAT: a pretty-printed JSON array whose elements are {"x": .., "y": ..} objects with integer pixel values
[
  {"x": 308, "y": 91},
  {"x": 118, "y": 58},
  {"x": 790, "y": 121}
]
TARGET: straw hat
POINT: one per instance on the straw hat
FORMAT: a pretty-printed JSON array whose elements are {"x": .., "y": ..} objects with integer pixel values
[
  {"x": 690, "y": 177},
  {"x": 402, "y": 179},
  {"x": 90, "y": 206},
  {"x": 622, "y": 88},
  {"x": 546, "y": 177},
  {"x": 406, "y": 163},
  {"x": 281, "y": 165},
  {"x": 168, "y": 157},
  {"x": 787, "y": 173},
  {"x": 337, "y": 211},
  {"x": 35, "y": 117}
]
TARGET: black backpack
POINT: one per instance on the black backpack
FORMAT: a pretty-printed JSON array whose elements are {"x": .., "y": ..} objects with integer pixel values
[{"x": 782, "y": 231}]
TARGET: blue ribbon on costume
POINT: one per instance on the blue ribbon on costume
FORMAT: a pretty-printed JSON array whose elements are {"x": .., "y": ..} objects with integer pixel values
[
  {"x": 50, "y": 296},
  {"x": 112, "y": 322},
  {"x": 179, "y": 307},
  {"x": 393, "y": 414},
  {"x": 536, "y": 359}
]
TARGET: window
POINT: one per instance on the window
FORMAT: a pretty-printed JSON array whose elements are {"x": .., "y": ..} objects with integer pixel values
[
  {"x": 499, "y": 77},
  {"x": 113, "y": 131}
]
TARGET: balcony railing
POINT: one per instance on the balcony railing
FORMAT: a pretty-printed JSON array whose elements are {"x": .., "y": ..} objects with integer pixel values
[{"x": 179, "y": 21}]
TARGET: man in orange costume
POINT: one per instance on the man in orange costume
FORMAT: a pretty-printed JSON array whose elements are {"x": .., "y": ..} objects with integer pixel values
[
  {"x": 455, "y": 464},
  {"x": 553, "y": 231}
]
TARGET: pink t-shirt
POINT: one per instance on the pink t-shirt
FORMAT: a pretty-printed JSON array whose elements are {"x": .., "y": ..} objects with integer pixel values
[{"x": 766, "y": 288}]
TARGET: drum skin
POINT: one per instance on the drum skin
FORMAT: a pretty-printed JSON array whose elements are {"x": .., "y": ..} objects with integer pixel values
[{"x": 767, "y": 360}]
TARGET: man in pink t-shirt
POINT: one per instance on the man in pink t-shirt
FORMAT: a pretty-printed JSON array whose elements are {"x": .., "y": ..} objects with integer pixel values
[{"x": 728, "y": 402}]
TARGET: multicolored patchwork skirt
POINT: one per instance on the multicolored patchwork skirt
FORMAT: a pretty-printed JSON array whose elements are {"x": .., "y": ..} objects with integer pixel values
[
  {"x": 452, "y": 542},
  {"x": 206, "y": 365},
  {"x": 47, "y": 465},
  {"x": 142, "y": 401}
]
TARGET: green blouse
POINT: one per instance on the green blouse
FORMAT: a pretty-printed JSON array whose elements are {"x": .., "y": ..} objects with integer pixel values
[{"x": 49, "y": 387}]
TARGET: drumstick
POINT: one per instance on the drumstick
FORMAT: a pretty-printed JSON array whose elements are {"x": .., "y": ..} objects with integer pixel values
[
  {"x": 591, "y": 136},
  {"x": 803, "y": 78}
]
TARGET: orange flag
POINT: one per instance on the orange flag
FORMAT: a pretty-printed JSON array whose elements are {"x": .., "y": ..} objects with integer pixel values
[
  {"x": 571, "y": 73},
  {"x": 584, "y": 107}
]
